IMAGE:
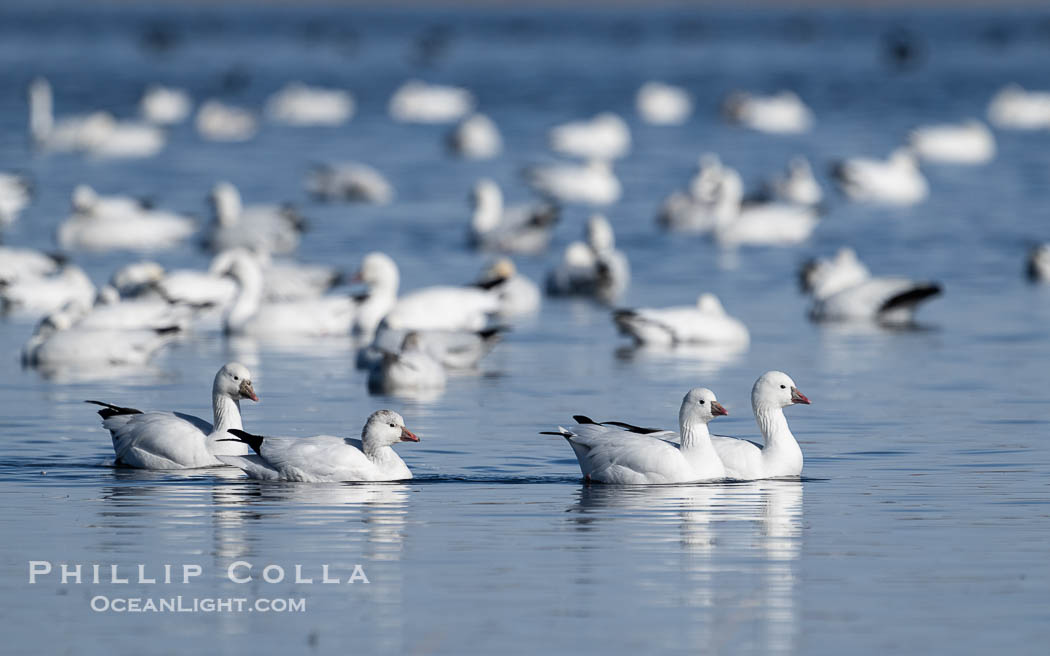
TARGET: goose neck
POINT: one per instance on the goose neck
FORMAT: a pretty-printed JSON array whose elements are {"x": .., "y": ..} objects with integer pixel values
[{"x": 227, "y": 412}]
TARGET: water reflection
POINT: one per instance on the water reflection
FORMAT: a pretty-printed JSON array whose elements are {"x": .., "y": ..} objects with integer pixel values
[{"x": 684, "y": 359}]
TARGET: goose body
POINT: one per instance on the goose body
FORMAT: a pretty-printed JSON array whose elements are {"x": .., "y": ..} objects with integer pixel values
[
  {"x": 15, "y": 194},
  {"x": 419, "y": 102},
  {"x": 410, "y": 369},
  {"x": 518, "y": 296},
  {"x": 165, "y": 105},
  {"x": 476, "y": 137},
  {"x": 662, "y": 104},
  {"x": 895, "y": 181},
  {"x": 261, "y": 228},
  {"x": 713, "y": 196},
  {"x": 101, "y": 223},
  {"x": 704, "y": 323},
  {"x": 39, "y": 295},
  {"x": 593, "y": 267},
  {"x": 592, "y": 183},
  {"x": 1017, "y": 109},
  {"x": 327, "y": 458},
  {"x": 767, "y": 224},
  {"x": 350, "y": 181},
  {"x": 173, "y": 440},
  {"x": 603, "y": 137},
  {"x": 20, "y": 263},
  {"x": 217, "y": 121},
  {"x": 60, "y": 342},
  {"x": 444, "y": 308},
  {"x": 517, "y": 229},
  {"x": 301, "y": 105},
  {"x": 452, "y": 349},
  {"x": 797, "y": 185},
  {"x": 969, "y": 142},
  {"x": 779, "y": 113}
]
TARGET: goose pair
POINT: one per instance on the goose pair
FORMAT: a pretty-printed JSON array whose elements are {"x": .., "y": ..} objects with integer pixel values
[
  {"x": 593, "y": 267},
  {"x": 619, "y": 453},
  {"x": 103, "y": 223},
  {"x": 515, "y": 229},
  {"x": 262, "y": 228},
  {"x": 174, "y": 440}
]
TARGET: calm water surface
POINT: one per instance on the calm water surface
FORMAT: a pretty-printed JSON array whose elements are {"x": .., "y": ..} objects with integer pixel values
[{"x": 922, "y": 522}]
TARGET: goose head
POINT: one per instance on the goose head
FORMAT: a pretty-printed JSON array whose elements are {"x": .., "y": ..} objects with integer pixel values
[
  {"x": 499, "y": 271},
  {"x": 775, "y": 389},
  {"x": 385, "y": 428},
  {"x": 412, "y": 341},
  {"x": 239, "y": 264},
  {"x": 487, "y": 200},
  {"x": 709, "y": 304},
  {"x": 135, "y": 277},
  {"x": 379, "y": 272},
  {"x": 600, "y": 234},
  {"x": 235, "y": 381},
  {"x": 226, "y": 204},
  {"x": 700, "y": 406},
  {"x": 84, "y": 199}
]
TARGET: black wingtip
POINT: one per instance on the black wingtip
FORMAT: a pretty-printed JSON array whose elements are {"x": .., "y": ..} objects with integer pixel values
[
  {"x": 254, "y": 441},
  {"x": 493, "y": 333},
  {"x": 552, "y": 433},
  {"x": 584, "y": 419},
  {"x": 911, "y": 297},
  {"x": 490, "y": 284},
  {"x": 109, "y": 410}
]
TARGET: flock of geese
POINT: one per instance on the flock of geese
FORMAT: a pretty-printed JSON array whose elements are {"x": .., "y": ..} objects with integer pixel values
[{"x": 409, "y": 341}]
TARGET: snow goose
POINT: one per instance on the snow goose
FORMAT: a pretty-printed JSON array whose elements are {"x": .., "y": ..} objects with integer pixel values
[
  {"x": 137, "y": 280},
  {"x": 418, "y": 102},
  {"x": 453, "y": 349},
  {"x": 165, "y": 105},
  {"x": 714, "y": 194},
  {"x": 1016, "y": 109},
  {"x": 844, "y": 290},
  {"x": 350, "y": 181},
  {"x": 199, "y": 289},
  {"x": 325, "y": 458},
  {"x": 15, "y": 193},
  {"x": 409, "y": 369},
  {"x": 269, "y": 228},
  {"x": 797, "y": 185},
  {"x": 61, "y": 342},
  {"x": 704, "y": 323},
  {"x": 476, "y": 137},
  {"x": 779, "y": 113},
  {"x": 593, "y": 183},
  {"x": 767, "y": 224},
  {"x": 662, "y": 104},
  {"x": 39, "y": 295},
  {"x": 19, "y": 263},
  {"x": 101, "y": 223},
  {"x": 302, "y": 105},
  {"x": 173, "y": 440},
  {"x": 627, "y": 455},
  {"x": 439, "y": 307},
  {"x": 518, "y": 296},
  {"x": 516, "y": 229},
  {"x": 593, "y": 267},
  {"x": 895, "y": 181},
  {"x": 381, "y": 276},
  {"x": 1039, "y": 263},
  {"x": 111, "y": 313},
  {"x": 603, "y": 137},
  {"x": 969, "y": 142},
  {"x": 217, "y": 121},
  {"x": 284, "y": 279}
]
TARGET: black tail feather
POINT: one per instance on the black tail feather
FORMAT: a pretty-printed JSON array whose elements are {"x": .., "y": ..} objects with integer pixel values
[
  {"x": 254, "y": 441},
  {"x": 911, "y": 297},
  {"x": 552, "y": 433},
  {"x": 584, "y": 419},
  {"x": 632, "y": 428},
  {"x": 109, "y": 410}
]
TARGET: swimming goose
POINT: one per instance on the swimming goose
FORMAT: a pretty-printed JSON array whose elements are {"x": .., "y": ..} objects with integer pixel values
[
  {"x": 18, "y": 263},
  {"x": 61, "y": 342},
  {"x": 895, "y": 181},
  {"x": 409, "y": 369},
  {"x": 173, "y": 440},
  {"x": 137, "y": 280},
  {"x": 165, "y": 105},
  {"x": 418, "y": 102},
  {"x": 476, "y": 137},
  {"x": 39, "y": 295},
  {"x": 593, "y": 267},
  {"x": 631, "y": 456},
  {"x": 518, "y": 296},
  {"x": 438, "y": 307},
  {"x": 779, "y": 113},
  {"x": 714, "y": 194},
  {"x": 603, "y": 137},
  {"x": 217, "y": 121},
  {"x": 592, "y": 183},
  {"x": 15, "y": 193},
  {"x": 844, "y": 290},
  {"x": 325, "y": 458},
  {"x": 110, "y": 312},
  {"x": 302, "y": 105},
  {"x": 515, "y": 229},
  {"x": 1016, "y": 109},
  {"x": 662, "y": 104},
  {"x": 704, "y": 323},
  {"x": 262, "y": 228},
  {"x": 797, "y": 185},
  {"x": 1039, "y": 263},
  {"x": 102, "y": 223},
  {"x": 968, "y": 142},
  {"x": 766, "y": 224},
  {"x": 350, "y": 181},
  {"x": 380, "y": 274},
  {"x": 452, "y": 349}
]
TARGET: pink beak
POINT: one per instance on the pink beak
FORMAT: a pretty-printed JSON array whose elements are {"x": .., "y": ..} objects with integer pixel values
[
  {"x": 718, "y": 410},
  {"x": 798, "y": 397},
  {"x": 408, "y": 436}
]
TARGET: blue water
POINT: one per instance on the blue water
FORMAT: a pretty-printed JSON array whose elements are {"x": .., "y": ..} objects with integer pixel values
[{"x": 921, "y": 524}]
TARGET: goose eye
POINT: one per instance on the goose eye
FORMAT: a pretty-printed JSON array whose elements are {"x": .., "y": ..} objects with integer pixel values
[
  {"x": 236, "y": 378},
  {"x": 701, "y": 401},
  {"x": 393, "y": 426},
  {"x": 783, "y": 387}
]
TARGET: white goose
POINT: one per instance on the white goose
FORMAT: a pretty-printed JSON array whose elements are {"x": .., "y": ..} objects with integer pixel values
[
  {"x": 165, "y": 105},
  {"x": 1016, "y": 109},
  {"x": 302, "y": 105},
  {"x": 15, "y": 194},
  {"x": 969, "y": 142},
  {"x": 662, "y": 104},
  {"x": 39, "y": 295},
  {"x": 217, "y": 121},
  {"x": 380, "y": 274},
  {"x": 452, "y": 349},
  {"x": 518, "y": 296},
  {"x": 60, "y": 342},
  {"x": 516, "y": 229},
  {"x": 19, "y": 263},
  {"x": 779, "y": 113},
  {"x": 419, "y": 102},
  {"x": 593, "y": 267},
  {"x": 476, "y": 137},
  {"x": 262, "y": 228},
  {"x": 603, "y": 137},
  {"x": 111, "y": 313},
  {"x": 137, "y": 280},
  {"x": 326, "y": 458},
  {"x": 350, "y": 181},
  {"x": 844, "y": 290},
  {"x": 1039, "y": 263},
  {"x": 627, "y": 455},
  {"x": 101, "y": 223},
  {"x": 797, "y": 185},
  {"x": 593, "y": 183},
  {"x": 410, "y": 369},
  {"x": 713, "y": 195},
  {"x": 895, "y": 181},
  {"x": 704, "y": 323},
  {"x": 439, "y": 307},
  {"x": 173, "y": 440}
]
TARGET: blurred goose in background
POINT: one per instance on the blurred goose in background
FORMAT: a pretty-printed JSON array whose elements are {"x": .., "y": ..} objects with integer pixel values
[
  {"x": 40, "y": 295},
  {"x": 21, "y": 263},
  {"x": 476, "y": 137},
  {"x": 110, "y": 312},
  {"x": 844, "y": 290},
  {"x": 894, "y": 181},
  {"x": 262, "y": 228},
  {"x": 622, "y": 454},
  {"x": 779, "y": 113},
  {"x": 411, "y": 368},
  {"x": 165, "y": 105},
  {"x": 98, "y": 134},
  {"x": 515, "y": 229},
  {"x": 349, "y": 181},
  {"x": 593, "y": 267},
  {"x": 217, "y": 121},
  {"x": 15, "y": 193},
  {"x": 302, "y": 105},
  {"x": 767, "y": 224},
  {"x": 518, "y": 296},
  {"x": 173, "y": 440},
  {"x": 381, "y": 276},
  {"x": 662, "y": 104},
  {"x": 969, "y": 142},
  {"x": 713, "y": 195},
  {"x": 60, "y": 342},
  {"x": 444, "y": 307},
  {"x": 137, "y": 280},
  {"x": 603, "y": 137},
  {"x": 101, "y": 223},
  {"x": 200, "y": 290},
  {"x": 797, "y": 185},
  {"x": 1039, "y": 263},
  {"x": 453, "y": 349},
  {"x": 704, "y": 323},
  {"x": 325, "y": 458},
  {"x": 592, "y": 183},
  {"x": 418, "y": 102},
  {"x": 1016, "y": 109}
]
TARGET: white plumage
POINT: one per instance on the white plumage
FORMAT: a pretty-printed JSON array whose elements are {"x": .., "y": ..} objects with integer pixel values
[
  {"x": 704, "y": 323},
  {"x": 410, "y": 369},
  {"x": 662, "y": 104},
  {"x": 262, "y": 228},
  {"x": 217, "y": 121},
  {"x": 779, "y": 113},
  {"x": 418, "y": 102},
  {"x": 516, "y": 229},
  {"x": 593, "y": 267},
  {"x": 603, "y": 137},
  {"x": 350, "y": 181},
  {"x": 592, "y": 183},
  {"x": 894, "y": 181},
  {"x": 476, "y": 137},
  {"x": 968, "y": 142},
  {"x": 301, "y": 105}
]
